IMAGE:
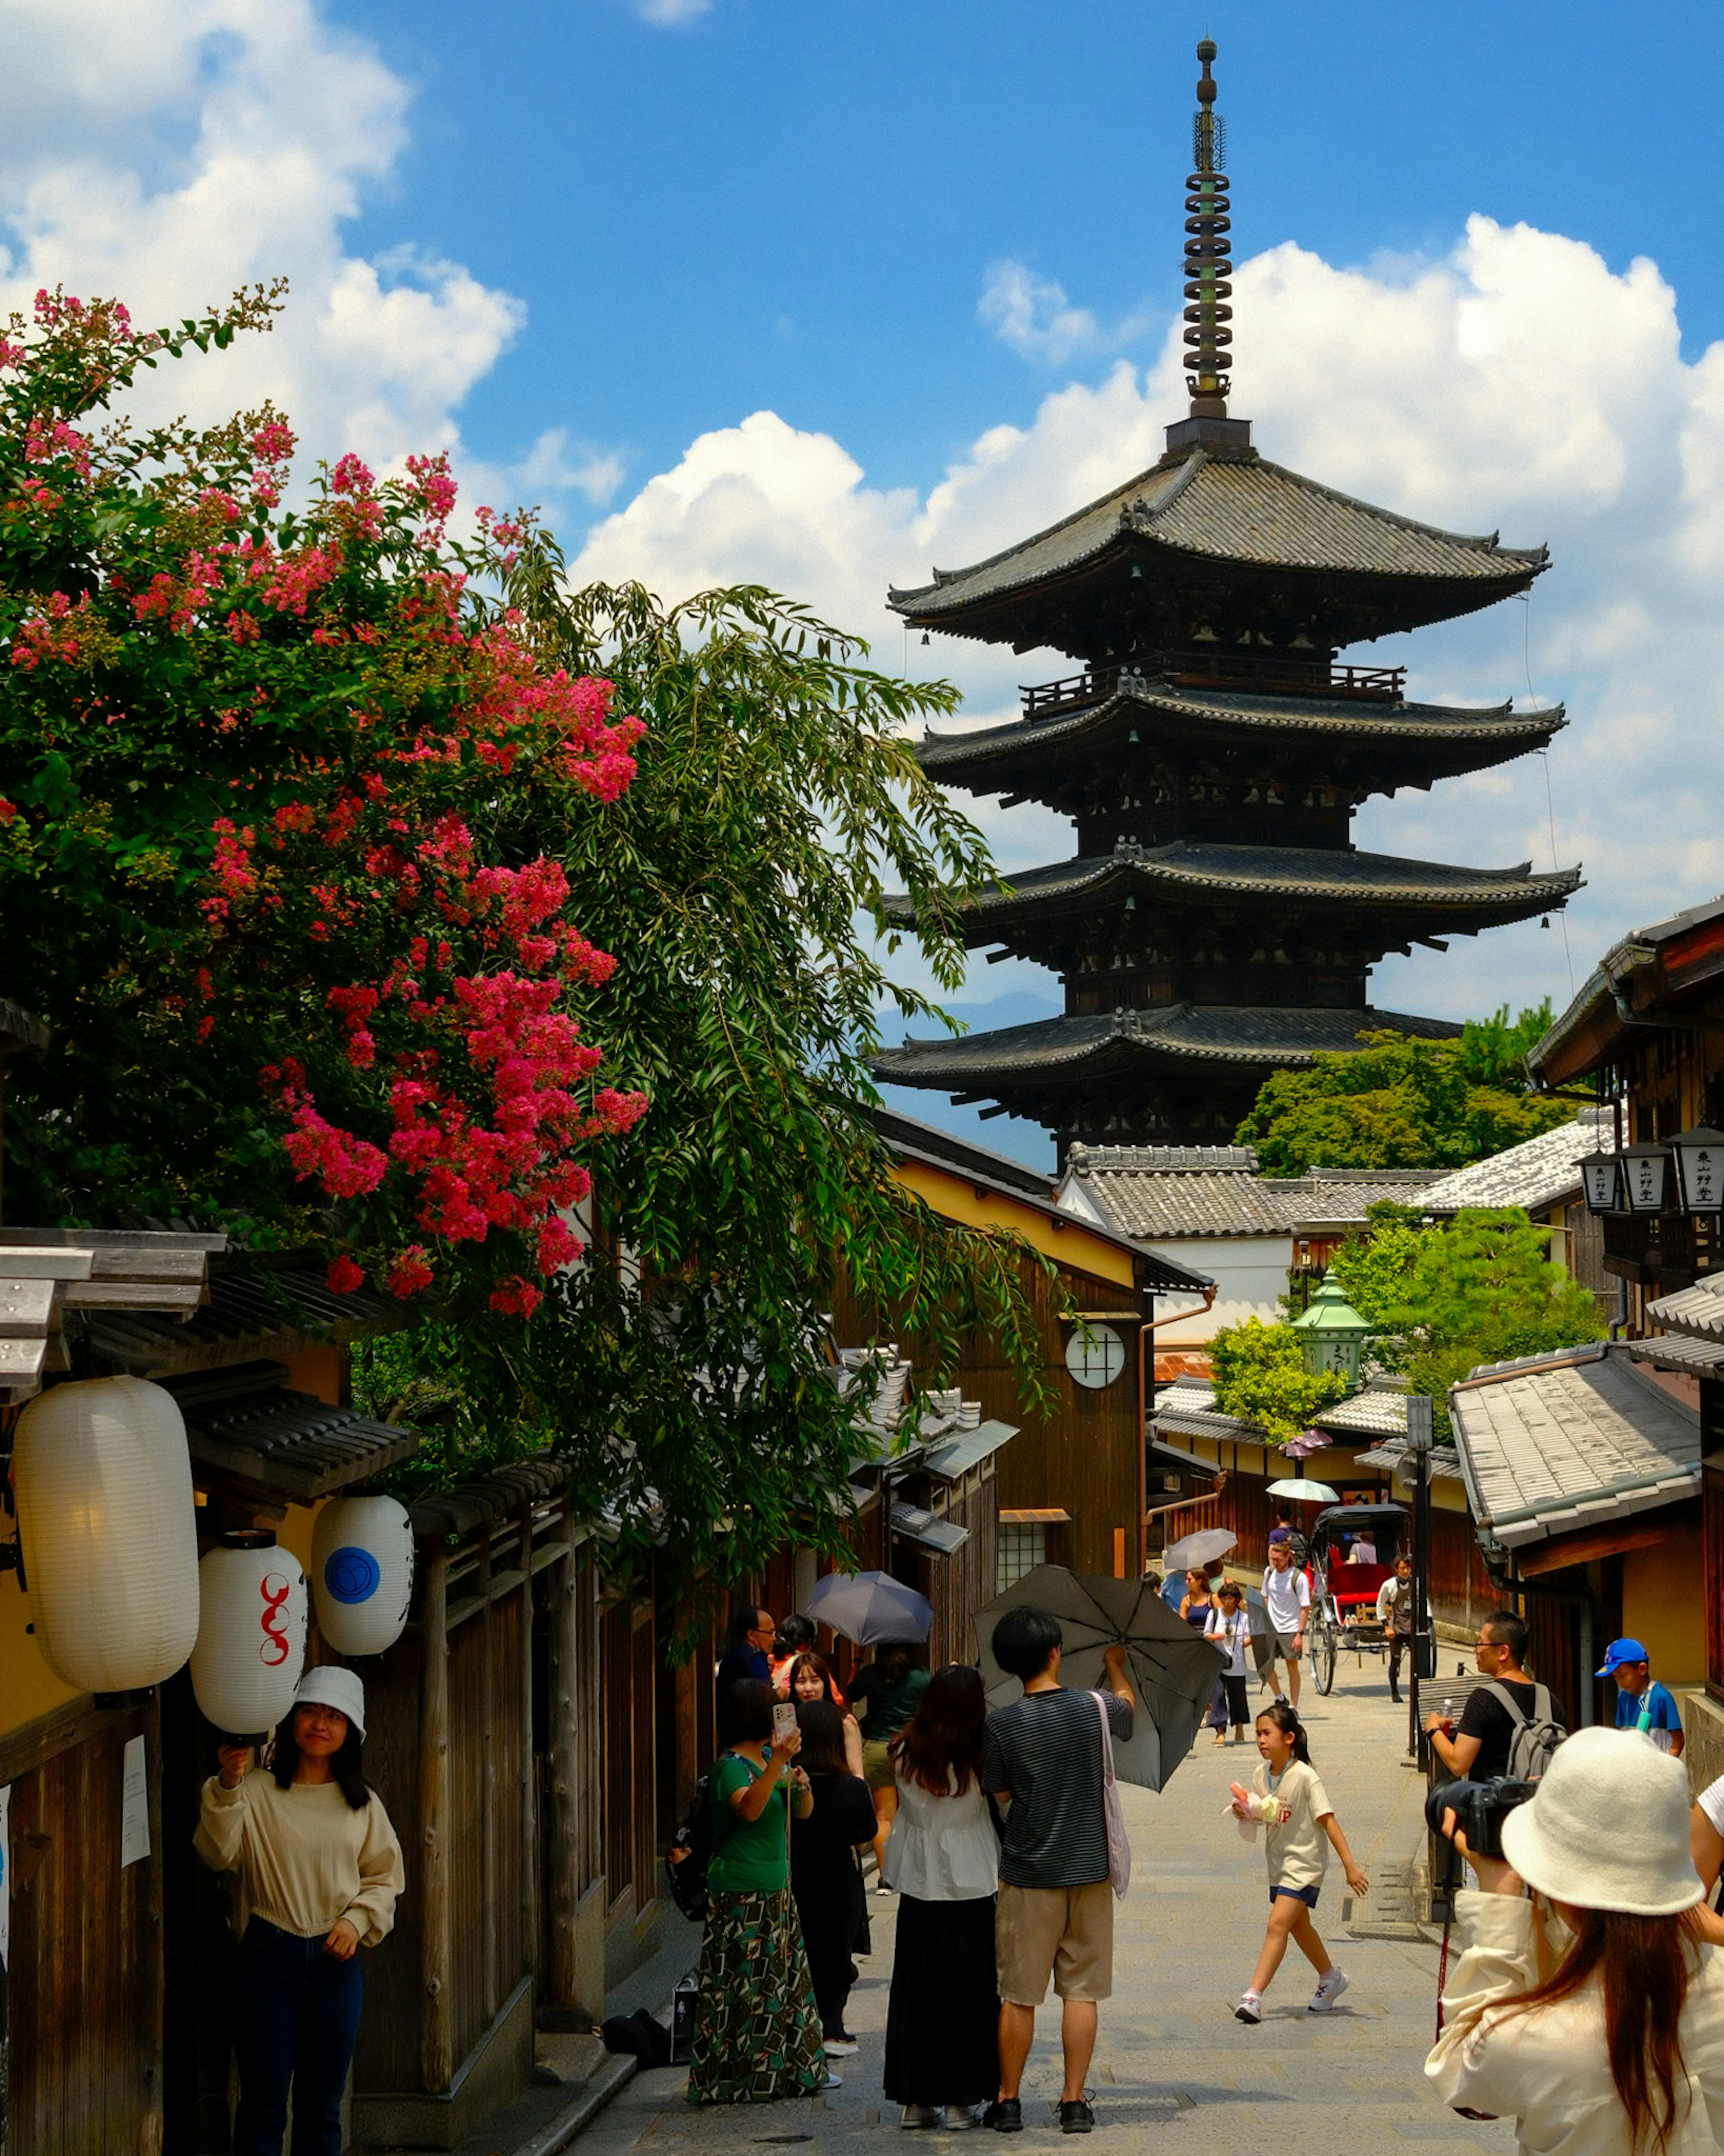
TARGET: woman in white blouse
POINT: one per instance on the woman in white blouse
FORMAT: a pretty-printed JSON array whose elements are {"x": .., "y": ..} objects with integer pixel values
[
  {"x": 942, "y": 2022},
  {"x": 1619, "y": 2049}
]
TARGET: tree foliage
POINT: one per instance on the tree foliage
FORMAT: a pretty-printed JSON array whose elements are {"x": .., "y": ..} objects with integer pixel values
[
  {"x": 1259, "y": 1375},
  {"x": 1398, "y": 1101},
  {"x": 333, "y": 850},
  {"x": 1481, "y": 1289}
]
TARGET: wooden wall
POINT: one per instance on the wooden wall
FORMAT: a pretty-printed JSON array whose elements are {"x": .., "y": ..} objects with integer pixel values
[
  {"x": 1088, "y": 1455},
  {"x": 84, "y": 1998}
]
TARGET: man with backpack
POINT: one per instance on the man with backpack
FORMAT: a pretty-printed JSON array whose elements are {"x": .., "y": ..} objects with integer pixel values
[{"x": 1510, "y": 1724}]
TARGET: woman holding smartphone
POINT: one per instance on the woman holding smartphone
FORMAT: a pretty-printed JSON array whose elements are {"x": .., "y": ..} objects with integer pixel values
[{"x": 757, "y": 2034}]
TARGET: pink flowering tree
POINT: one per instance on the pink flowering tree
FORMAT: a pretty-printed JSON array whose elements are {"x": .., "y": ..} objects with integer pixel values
[{"x": 254, "y": 761}]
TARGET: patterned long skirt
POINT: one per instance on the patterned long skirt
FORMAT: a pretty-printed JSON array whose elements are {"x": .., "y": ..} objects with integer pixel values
[{"x": 757, "y": 2034}]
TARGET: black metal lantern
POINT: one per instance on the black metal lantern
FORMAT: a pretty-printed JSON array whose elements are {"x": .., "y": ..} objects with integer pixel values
[
  {"x": 1601, "y": 1179},
  {"x": 1645, "y": 1171},
  {"x": 1699, "y": 1169}
]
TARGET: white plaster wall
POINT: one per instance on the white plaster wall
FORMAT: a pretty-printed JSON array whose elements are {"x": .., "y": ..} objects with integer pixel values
[{"x": 1250, "y": 1277}]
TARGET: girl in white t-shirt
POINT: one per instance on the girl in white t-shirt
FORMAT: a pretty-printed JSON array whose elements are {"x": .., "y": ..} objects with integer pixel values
[
  {"x": 1286, "y": 1797},
  {"x": 1230, "y": 1631}
]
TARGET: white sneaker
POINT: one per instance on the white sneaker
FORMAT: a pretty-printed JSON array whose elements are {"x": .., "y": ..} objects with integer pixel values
[
  {"x": 1249, "y": 2008},
  {"x": 959, "y": 2116},
  {"x": 919, "y": 2115},
  {"x": 1329, "y": 1986},
  {"x": 840, "y": 2047}
]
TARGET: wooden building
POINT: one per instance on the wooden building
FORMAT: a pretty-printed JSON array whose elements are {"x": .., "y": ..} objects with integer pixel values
[
  {"x": 1218, "y": 923},
  {"x": 1071, "y": 1487}
]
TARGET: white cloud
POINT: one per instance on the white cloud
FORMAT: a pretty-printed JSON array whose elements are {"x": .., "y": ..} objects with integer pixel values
[
  {"x": 671, "y": 15},
  {"x": 167, "y": 151},
  {"x": 1032, "y": 316},
  {"x": 1517, "y": 383}
]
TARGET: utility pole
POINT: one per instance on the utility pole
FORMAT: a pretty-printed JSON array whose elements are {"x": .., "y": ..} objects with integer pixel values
[{"x": 1419, "y": 1456}]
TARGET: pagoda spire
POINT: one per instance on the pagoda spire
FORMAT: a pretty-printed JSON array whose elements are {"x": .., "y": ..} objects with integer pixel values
[{"x": 1208, "y": 255}]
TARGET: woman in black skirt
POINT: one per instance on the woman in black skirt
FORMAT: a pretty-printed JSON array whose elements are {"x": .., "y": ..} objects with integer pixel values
[
  {"x": 825, "y": 1872},
  {"x": 943, "y": 2024}
]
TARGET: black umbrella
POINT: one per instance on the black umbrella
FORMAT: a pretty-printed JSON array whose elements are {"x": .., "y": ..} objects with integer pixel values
[{"x": 1172, "y": 1667}]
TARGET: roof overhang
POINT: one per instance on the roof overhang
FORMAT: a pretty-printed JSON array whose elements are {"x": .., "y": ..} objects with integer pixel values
[{"x": 1669, "y": 976}]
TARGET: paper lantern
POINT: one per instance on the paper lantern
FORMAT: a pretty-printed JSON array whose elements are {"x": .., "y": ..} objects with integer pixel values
[
  {"x": 251, "y": 1633},
  {"x": 109, "y": 1526},
  {"x": 362, "y": 1573}
]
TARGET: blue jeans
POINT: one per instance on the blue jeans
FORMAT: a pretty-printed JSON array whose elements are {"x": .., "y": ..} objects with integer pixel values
[{"x": 296, "y": 2020}]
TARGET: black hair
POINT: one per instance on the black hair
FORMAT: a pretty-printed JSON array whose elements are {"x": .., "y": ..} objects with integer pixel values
[
  {"x": 745, "y": 1713},
  {"x": 823, "y": 1738},
  {"x": 796, "y": 1634},
  {"x": 1506, "y": 1629},
  {"x": 1285, "y": 1718},
  {"x": 1024, "y": 1640},
  {"x": 743, "y": 1619},
  {"x": 284, "y": 1758},
  {"x": 893, "y": 1658}
]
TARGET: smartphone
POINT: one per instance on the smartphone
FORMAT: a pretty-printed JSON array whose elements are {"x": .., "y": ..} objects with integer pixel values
[{"x": 783, "y": 1719}]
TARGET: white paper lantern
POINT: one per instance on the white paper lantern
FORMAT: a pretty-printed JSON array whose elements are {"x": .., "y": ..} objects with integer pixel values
[
  {"x": 109, "y": 1526},
  {"x": 362, "y": 1573},
  {"x": 251, "y": 1633}
]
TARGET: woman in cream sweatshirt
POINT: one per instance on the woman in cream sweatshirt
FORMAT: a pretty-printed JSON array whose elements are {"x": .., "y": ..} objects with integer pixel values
[{"x": 320, "y": 1871}]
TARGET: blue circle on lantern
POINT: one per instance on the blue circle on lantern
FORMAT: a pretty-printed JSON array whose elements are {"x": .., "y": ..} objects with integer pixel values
[{"x": 351, "y": 1574}]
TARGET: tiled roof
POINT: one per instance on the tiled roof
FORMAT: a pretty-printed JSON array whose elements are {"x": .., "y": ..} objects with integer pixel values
[
  {"x": 1555, "y": 1442},
  {"x": 1153, "y": 1202},
  {"x": 1163, "y": 1160},
  {"x": 470, "y": 1506},
  {"x": 1234, "y": 509},
  {"x": 1694, "y": 1358},
  {"x": 1266, "y": 1035},
  {"x": 244, "y": 1424},
  {"x": 1199, "y": 871},
  {"x": 1431, "y": 729},
  {"x": 253, "y": 1312},
  {"x": 1697, "y": 1311},
  {"x": 1536, "y": 1173},
  {"x": 1378, "y": 1411}
]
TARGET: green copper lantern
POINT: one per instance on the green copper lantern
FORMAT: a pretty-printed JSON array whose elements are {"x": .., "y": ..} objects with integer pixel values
[{"x": 1331, "y": 1332}]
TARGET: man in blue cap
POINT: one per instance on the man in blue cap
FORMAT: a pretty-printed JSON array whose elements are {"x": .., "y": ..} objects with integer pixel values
[{"x": 1641, "y": 1702}]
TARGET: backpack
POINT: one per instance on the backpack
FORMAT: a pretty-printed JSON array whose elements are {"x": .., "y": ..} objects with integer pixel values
[
  {"x": 690, "y": 1852},
  {"x": 1536, "y": 1736}
]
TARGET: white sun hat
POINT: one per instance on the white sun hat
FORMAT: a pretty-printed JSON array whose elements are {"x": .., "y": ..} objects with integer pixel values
[
  {"x": 1607, "y": 1828},
  {"x": 329, "y": 1685}
]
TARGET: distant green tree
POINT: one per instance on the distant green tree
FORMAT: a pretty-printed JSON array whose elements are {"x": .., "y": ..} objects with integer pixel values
[
  {"x": 1402, "y": 1102},
  {"x": 1259, "y": 1375},
  {"x": 1481, "y": 1290}
]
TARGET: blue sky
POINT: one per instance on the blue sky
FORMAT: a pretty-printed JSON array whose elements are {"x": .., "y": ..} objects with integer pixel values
[{"x": 820, "y": 294}]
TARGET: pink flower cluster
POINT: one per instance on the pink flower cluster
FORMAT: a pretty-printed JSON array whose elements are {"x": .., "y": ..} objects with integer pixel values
[{"x": 57, "y": 634}]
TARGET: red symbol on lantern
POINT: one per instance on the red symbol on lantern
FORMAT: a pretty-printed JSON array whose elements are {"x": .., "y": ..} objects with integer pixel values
[{"x": 274, "y": 1591}]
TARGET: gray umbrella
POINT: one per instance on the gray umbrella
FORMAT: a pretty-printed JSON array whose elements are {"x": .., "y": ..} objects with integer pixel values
[
  {"x": 870, "y": 1608},
  {"x": 1172, "y": 1667},
  {"x": 1262, "y": 1635},
  {"x": 1201, "y": 1548}
]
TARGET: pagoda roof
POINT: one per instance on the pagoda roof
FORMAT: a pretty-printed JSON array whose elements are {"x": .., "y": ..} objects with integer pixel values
[
  {"x": 1197, "y": 871},
  {"x": 1205, "y": 509},
  {"x": 1441, "y": 738},
  {"x": 1082, "y": 1049}
]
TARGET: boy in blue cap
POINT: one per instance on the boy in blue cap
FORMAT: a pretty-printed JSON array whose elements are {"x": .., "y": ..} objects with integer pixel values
[{"x": 1642, "y": 1703}]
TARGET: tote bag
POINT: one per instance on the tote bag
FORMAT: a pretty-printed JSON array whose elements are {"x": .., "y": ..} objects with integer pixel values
[{"x": 1119, "y": 1849}]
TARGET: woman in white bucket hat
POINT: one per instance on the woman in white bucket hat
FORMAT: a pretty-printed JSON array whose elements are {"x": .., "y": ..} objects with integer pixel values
[
  {"x": 320, "y": 1871},
  {"x": 1592, "y": 2014}
]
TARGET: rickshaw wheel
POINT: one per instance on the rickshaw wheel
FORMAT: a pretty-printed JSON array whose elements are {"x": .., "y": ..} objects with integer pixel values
[{"x": 1322, "y": 1657}]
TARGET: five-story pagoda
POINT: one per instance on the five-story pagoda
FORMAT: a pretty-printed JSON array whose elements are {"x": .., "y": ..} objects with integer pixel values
[{"x": 1218, "y": 923}]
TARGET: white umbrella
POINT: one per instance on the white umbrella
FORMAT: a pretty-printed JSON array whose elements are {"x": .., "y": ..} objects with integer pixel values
[
  {"x": 1307, "y": 1493},
  {"x": 1200, "y": 1548}
]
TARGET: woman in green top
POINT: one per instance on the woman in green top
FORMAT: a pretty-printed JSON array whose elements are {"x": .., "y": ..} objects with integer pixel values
[{"x": 756, "y": 2033}]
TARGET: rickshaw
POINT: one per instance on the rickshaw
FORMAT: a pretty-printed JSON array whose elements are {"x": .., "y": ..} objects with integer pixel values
[{"x": 1343, "y": 1596}]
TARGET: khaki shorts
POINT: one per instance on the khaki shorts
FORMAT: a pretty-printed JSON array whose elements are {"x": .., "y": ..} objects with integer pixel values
[
  {"x": 1063, "y": 1932},
  {"x": 877, "y": 1764}
]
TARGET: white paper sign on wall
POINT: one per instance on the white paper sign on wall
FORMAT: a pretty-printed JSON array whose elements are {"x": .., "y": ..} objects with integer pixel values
[
  {"x": 134, "y": 1803},
  {"x": 1094, "y": 1355}
]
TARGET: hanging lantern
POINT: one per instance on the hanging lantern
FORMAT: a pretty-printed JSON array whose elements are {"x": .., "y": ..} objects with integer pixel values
[
  {"x": 1644, "y": 1168},
  {"x": 1332, "y": 1333},
  {"x": 251, "y": 1633},
  {"x": 1601, "y": 1179},
  {"x": 109, "y": 1529},
  {"x": 361, "y": 1573},
  {"x": 1699, "y": 1156}
]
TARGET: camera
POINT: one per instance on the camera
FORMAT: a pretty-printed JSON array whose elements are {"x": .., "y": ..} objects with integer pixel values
[{"x": 1479, "y": 1809}]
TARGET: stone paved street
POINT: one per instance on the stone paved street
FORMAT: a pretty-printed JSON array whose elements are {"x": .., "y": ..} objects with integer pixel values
[{"x": 1171, "y": 2055}]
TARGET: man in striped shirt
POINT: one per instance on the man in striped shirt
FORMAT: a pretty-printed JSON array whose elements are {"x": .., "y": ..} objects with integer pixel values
[{"x": 1042, "y": 1758}]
